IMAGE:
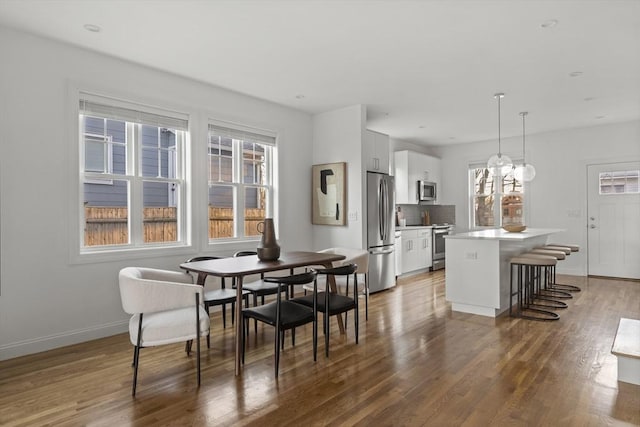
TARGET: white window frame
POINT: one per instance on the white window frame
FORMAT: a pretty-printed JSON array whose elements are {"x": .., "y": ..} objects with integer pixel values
[
  {"x": 237, "y": 183},
  {"x": 81, "y": 253},
  {"x": 622, "y": 178},
  {"x": 497, "y": 195},
  {"x": 107, "y": 162}
]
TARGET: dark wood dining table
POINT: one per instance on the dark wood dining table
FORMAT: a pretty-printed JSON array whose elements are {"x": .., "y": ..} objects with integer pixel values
[{"x": 239, "y": 267}]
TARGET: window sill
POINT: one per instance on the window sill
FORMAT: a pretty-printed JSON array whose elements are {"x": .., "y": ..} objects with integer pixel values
[{"x": 119, "y": 254}]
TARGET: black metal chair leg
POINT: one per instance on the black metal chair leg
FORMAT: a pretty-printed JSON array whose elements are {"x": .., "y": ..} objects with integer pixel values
[
  {"x": 224, "y": 316},
  {"x": 136, "y": 355},
  {"x": 277, "y": 345},
  {"x": 206, "y": 306},
  {"x": 255, "y": 304},
  {"x": 243, "y": 336},
  {"x": 198, "y": 336}
]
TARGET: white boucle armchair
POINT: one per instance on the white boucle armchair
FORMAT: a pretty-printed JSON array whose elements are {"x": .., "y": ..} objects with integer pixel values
[{"x": 166, "y": 308}]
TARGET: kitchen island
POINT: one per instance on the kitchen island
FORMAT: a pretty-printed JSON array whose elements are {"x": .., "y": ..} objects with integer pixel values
[{"x": 477, "y": 273}]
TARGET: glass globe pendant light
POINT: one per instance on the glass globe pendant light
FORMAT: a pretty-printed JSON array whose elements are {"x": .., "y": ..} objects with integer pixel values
[
  {"x": 499, "y": 164},
  {"x": 525, "y": 172}
]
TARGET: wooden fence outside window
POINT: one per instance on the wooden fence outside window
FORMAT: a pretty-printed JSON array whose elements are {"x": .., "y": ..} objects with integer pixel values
[{"x": 109, "y": 225}]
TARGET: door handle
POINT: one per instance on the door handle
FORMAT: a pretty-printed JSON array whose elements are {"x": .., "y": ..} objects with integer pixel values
[
  {"x": 592, "y": 226},
  {"x": 390, "y": 251},
  {"x": 592, "y": 219}
]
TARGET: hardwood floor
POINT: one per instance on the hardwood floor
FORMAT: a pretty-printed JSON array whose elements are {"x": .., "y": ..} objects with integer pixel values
[{"x": 417, "y": 364}]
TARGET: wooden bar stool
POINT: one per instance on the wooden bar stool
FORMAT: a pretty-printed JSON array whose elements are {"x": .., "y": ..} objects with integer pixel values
[
  {"x": 567, "y": 249},
  {"x": 527, "y": 281},
  {"x": 551, "y": 271},
  {"x": 543, "y": 295}
]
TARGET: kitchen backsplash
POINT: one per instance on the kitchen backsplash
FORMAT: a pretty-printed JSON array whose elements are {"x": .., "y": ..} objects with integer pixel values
[{"x": 438, "y": 214}]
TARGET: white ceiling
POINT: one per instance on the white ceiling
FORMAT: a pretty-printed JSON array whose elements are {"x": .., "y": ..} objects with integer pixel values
[{"x": 427, "y": 70}]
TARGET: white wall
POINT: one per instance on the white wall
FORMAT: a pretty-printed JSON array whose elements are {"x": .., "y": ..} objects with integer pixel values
[
  {"x": 337, "y": 137},
  {"x": 45, "y": 300},
  {"x": 557, "y": 197}
]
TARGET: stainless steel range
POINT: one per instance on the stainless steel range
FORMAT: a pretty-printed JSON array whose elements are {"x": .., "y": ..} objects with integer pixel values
[{"x": 437, "y": 247}]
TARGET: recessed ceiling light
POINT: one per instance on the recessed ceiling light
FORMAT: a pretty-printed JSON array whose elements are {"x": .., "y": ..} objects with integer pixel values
[
  {"x": 92, "y": 27},
  {"x": 575, "y": 74},
  {"x": 300, "y": 96},
  {"x": 600, "y": 117},
  {"x": 452, "y": 137},
  {"x": 421, "y": 127},
  {"x": 589, "y": 99},
  {"x": 549, "y": 23}
]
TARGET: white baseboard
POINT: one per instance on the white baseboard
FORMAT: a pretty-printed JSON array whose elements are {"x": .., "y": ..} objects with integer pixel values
[
  {"x": 571, "y": 271},
  {"x": 37, "y": 345}
]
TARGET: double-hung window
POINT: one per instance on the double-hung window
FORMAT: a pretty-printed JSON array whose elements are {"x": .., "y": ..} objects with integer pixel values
[
  {"x": 486, "y": 193},
  {"x": 132, "y": 175},
  {"x": 240, "y": 180}
]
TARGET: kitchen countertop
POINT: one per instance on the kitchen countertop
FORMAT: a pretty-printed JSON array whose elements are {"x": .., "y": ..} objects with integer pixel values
[
  {"x": 413, "y": 227},
  {"x": 500, "y": 234},
  {"x": 478, "y": 274}
]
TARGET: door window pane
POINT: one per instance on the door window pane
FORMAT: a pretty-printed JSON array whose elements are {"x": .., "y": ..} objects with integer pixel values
[{"x": 619, "y": 182}]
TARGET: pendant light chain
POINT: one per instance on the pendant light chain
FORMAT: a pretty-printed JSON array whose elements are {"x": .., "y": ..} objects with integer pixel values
[
  {"x": 498, "y": 163},
  {"x": 499, "y": 96},
  {"x": 526, "y": 172},
  {"x": 523, "y": 114}
]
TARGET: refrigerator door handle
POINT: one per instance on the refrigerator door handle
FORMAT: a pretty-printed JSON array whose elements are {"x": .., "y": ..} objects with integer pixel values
[
  {"x": 381, "y": 209},
  {"x": 385, "y": 252},
  {"x": 385, "y": 220}
]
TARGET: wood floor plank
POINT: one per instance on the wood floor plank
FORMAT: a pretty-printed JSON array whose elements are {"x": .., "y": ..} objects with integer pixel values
[{"x": 417, "y": 364}]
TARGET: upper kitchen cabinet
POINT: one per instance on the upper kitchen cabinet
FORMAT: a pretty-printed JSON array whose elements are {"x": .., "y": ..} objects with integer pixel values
[
  {"x": 376, "y": 151},
  {"x": 412, "y": 167}
]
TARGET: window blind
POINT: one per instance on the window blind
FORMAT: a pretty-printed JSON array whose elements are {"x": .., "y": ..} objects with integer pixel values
[
  {"x": 118, "y": 111},
  {"x": 244, "y": 134}
]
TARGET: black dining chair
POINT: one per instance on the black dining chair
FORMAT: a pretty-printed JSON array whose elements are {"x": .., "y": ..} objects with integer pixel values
[
  {"x": 284, "y": 314},
  {"x": 331, "y": 304},
  {"x": 258, "y": 288},
  {"x": 221, "y": 297}
]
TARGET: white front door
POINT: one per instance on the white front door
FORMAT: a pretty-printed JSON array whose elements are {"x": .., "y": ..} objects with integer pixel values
[{"x": 613, "y": 220}]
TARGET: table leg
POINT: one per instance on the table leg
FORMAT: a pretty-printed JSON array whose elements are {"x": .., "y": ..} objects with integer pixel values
[
  {"x": 333, "y": 288},
  {"x": 239, "y": 324}
]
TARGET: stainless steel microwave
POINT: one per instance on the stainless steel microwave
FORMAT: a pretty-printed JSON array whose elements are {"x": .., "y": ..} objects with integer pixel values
[{"x": 427, "y": 191}]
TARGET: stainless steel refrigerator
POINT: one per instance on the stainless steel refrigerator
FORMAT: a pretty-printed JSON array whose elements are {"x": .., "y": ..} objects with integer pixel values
[{"x": 381, "y": 231}]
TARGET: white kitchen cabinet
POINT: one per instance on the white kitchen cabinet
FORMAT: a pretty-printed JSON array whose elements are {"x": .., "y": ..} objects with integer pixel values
[
  {"x": 416, "y": 249},
  {"x": 411, "y": 167},
  {"x": 376, "y": 151}
]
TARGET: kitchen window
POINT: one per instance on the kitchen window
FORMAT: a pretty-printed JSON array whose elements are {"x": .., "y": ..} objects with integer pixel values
[
  {"x": 485, "y": 191},
  {"x": 132, "y": 175},
  {"x": 240, "y": 180}
]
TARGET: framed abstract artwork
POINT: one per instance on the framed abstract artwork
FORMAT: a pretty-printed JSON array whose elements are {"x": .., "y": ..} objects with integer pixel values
[{"x": 328, "y": 194}]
